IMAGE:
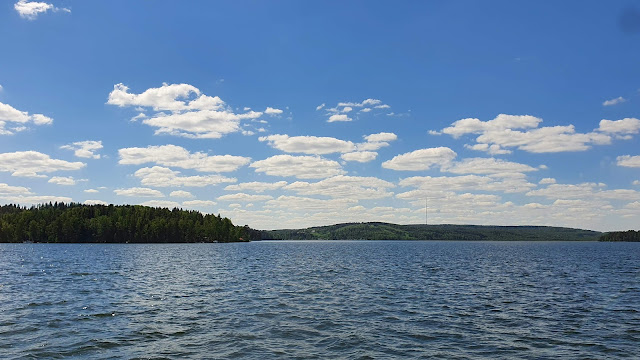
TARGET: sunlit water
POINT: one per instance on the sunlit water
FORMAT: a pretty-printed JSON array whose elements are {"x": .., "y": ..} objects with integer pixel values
[{"x": 353, "y": 300}]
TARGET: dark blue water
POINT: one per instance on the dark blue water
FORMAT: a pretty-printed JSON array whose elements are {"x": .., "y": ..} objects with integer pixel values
[{"x": 352, "y": 300}]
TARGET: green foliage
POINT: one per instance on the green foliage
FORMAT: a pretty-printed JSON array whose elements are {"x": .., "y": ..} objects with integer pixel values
[
  {"x": 76, "y": 223},
  {"x": 385, "y": 231},
  {"x": 630, "y": 235}
]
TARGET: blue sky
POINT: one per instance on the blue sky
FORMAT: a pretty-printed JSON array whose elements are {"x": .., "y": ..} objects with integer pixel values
[{"x": 298, "y": 113}]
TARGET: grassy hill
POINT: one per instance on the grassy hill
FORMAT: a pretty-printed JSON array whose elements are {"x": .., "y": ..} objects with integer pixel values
[{"x": 386, "y": 231}]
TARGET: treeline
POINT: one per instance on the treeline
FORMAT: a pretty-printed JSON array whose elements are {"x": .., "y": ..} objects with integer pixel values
[
  {"x": 631, "y": 236},
  {"x": 386, "y": 231},
  {"x": 77, "y": 223}
]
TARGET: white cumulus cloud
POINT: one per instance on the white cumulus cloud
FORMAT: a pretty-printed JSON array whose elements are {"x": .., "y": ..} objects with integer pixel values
[
  {"x": 159, "y": 176},
  {"x": 138, "y": 192},
  {"x": 13, "y": 120},
  {"x": 84, "y": 149},
  {"x": 6, "y": 189},
  {"x": 33, "y": 163},
  {"x": 339, "y": 117},
  {"x": 308, "y": 144},
  {"x": 301, "y": 167},
  {"x": 620, "y": 128},
  {"x": 62, "y": 180},
  {"x": 256, "y": 186},
  {"x": 181, "y": 193},
  {"x": 95, "y": 202},
  {"x": 182, "y": 110},
  {"x": 272, "y": 111},
  {"x": 177, "y": 156},
  {"x": 359, "y": 156},
  {"x": 422, "y": 159},
  {"x": 629, "y": 161},
  {"x": 352, "y": 187},
  {"x": 198, "y": 203},
  {"x": 31, "y": 9},
  {"x": 244, "y": 197},
  {"x": 162, "y": 204},
  {"x": 616, "y": 101},
  {"x": 522, "y": 132},
  {"x": 488, "y": 166}
]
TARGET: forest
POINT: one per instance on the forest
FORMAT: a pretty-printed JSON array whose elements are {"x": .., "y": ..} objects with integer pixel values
[
  {"x": 630, "y": 236},
  {"x": 78, "y": 223},
  {"x": 386, "y": 231}
]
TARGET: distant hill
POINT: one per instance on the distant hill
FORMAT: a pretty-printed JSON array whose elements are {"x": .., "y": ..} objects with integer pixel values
[{"x": 386, "y": 231}]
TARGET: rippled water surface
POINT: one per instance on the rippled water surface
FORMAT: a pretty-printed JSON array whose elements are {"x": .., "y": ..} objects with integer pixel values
[{"x": 354, "y": 300}]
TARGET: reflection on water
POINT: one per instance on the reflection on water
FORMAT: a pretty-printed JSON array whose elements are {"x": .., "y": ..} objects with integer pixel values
[{"x": 306, "y": 300}]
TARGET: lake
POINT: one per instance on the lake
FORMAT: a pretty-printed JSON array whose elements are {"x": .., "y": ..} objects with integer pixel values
[{"x": 321, "y": 299}]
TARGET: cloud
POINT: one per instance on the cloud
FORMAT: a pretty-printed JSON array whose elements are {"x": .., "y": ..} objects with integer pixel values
[
  {"x": 91, "y": 191},
  {"x": 84, "y": 149},
  {"x": 616, "y": 101},
  {"x": 182, "y": 110},
  {"x": 61, "y": 180},
  {"x": 584, "y": 192},
  {"x": 503, "y": 132},
  {"x": 244, "y": 197},
  {"x": 547, "y": 181},
  {"x": 301, "y": 167},
  {"x": 181, "y": 193},
  {"x": 338, "y": 113},
  {"x": 38, "y": 199},
  {"x": 635, "y": 182},
  {"x": 320, "y": 107},
  {"x": 565, "y": 191},
  {"x": 620, "y": 128},
  {"x": 491, "y": 150},
  {"x": 376, "y": 141},
  {"x": 514, "y": 184},
  {"x": 500, "y": 123},
  {"x": 271, "y": 111},
  {"x": 138, "y": 192},
  {"x": 13, "y": 120},
  {"x": 32, "y": 163},
  {"x": 6, "y": 189},
  {"x": 367, "y": 102},
  {"x": 339, "y": 117},
  {"x": 297, "y": 204},
  {"x": 487, "y": 166},
  {"x": 158, "y": 176},
  {"x": 162, "y": 204},
  {"x": 421, "y": 159},
  {"x": 629, "y": 161},
  {"x": 381, "y": 137},
  {"x": 256, "y": 186},
  {"x": 308, "y": 144},
  {"x": 176, "y": 156},
  {"x": 352, "y": 187},
  {"x": 95, "y": 202},
  {"x": 198, "y": 203},
  {"x": 31, "y": 9},
  {"x": 360, "y": 156}
]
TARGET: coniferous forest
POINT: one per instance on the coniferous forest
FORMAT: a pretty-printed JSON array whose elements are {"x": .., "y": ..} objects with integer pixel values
[
  {"x": 77, "y": 223},
  {"x": 630, "y": 236}
]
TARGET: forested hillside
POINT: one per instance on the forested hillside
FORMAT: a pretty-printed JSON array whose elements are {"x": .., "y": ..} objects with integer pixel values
[
  {"x": 77, "y": 223},
  {"x": 630, "y": 236},
  {"x": 385, "y": 231}
]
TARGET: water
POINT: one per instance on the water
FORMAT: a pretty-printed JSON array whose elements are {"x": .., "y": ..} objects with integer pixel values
[{"x": 306, "y": 300}]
